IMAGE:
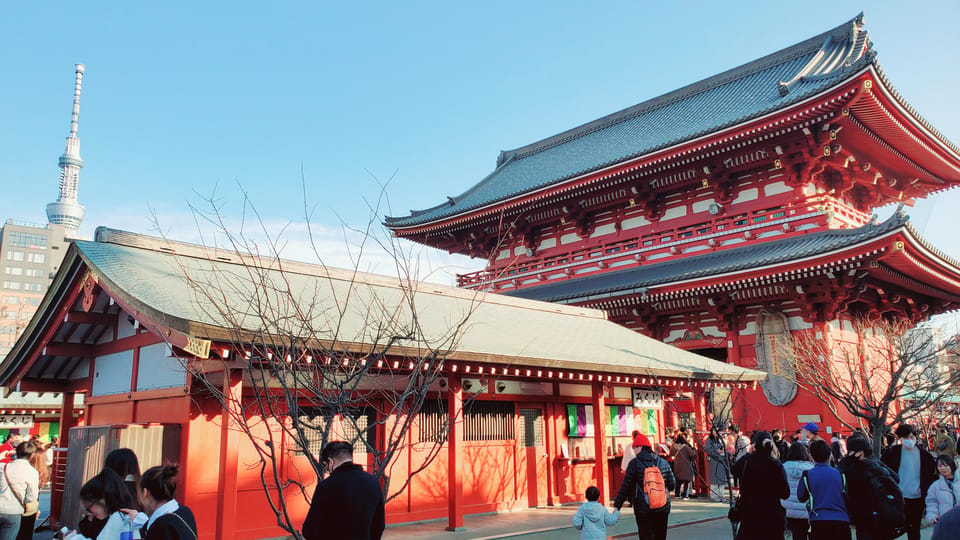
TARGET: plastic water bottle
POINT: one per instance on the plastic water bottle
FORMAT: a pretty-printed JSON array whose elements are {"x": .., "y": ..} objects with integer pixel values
[{"x": 126, "y": 529}]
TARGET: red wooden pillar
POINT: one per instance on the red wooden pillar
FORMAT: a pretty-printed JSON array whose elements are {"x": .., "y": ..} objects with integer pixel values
[
  {"x": 455, "y": 454},
  {"x": 600, "y": 441},
  {"x": 702, "y": 481},
  {"x": 550, "y": 438},
  {"x": 66, "y": 419},
  {"x": 229, "y": 455}
]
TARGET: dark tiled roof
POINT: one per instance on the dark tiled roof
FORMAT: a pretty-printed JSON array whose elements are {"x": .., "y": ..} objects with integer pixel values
[
  {"x": 702, "y": 266},
  {"x": 740, "y": 94}
]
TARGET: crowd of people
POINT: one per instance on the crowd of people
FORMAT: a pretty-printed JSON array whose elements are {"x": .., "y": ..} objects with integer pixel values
[
  {"x": 818, "y": 489},
  {"x": 813, "y": 487},
  {"x": 25, "y": 470},
  {"x": 118, "y": 498}
]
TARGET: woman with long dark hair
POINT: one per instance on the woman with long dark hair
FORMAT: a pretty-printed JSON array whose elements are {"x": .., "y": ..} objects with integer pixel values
[
  {"x": 125, "y": 463},
  {"x": 762, "y": 484},
  {"x": 103, "y": 496},
  {"x": 168, "y": 519}
]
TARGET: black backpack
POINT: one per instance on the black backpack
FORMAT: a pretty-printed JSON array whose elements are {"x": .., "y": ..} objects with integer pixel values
[{"x": 886, "y": 502}]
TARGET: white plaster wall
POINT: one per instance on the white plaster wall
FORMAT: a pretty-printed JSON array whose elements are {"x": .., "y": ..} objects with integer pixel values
[
  {"x": 157, "y": 369},
  {"x": 634, "y": 222},
  {"x": 547, "y": 243},
  {"x": 745, "y": 195},
  {"x": 797, "y": 323},
  {"x": 674, "y": 213},
  {"x": 569, "y": 238},
  {"x": 701, "y": 206},
  {"x": 600, "y": 230},
  {"x": 125, "y": 327},
  {"x": 112, "y": 374},
  {"x": 580, "y": 390},
  {"x": 776, "y": 188}
]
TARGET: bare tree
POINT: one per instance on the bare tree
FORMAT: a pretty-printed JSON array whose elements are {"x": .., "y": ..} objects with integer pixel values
[
  {"x": 885, "y": 372},
  {"x": 325, "y": 355}
]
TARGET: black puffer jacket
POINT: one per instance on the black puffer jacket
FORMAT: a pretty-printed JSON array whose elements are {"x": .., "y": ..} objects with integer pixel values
[{"x": 634, "y": 476}]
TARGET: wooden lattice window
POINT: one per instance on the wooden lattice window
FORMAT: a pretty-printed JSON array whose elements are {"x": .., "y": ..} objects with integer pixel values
[
  {"x": 432, "y": 422},
  {"x": 489, "y": 421},
  {"x": 356, "y": 426},
  {"x": 531, "y": 431}
]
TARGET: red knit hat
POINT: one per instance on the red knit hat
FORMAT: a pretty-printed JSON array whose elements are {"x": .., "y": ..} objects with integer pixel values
[{"x": 642, "y": 440}]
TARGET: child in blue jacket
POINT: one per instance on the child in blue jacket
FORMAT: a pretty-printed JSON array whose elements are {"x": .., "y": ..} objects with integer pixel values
[{"x": 592, "y": 517}]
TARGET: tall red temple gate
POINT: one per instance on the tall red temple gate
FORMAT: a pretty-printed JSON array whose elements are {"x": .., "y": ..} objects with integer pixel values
[{"x": 723, "y": 214}]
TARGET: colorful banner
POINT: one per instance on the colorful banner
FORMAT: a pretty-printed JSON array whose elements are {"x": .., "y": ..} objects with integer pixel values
[
  {"x": 620, "y": 421},
  {"x": 646, "y": 420},
  {"x": 580, "y": 420}
]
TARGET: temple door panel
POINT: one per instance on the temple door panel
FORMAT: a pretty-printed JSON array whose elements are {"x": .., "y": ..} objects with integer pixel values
[{"x": 532, "y": 456}]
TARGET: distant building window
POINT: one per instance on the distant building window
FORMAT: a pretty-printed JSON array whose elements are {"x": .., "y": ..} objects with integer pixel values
[
  {"x": 14, "y": 255},
  {"x": 13, "y": 271},
  {"x": 11, "y": 300},
  {"x": 27, "y": 240},
  {"x": 8, "y": 330},
  {"x": 35, "y": 272},
  {"x": 10, "y": 315},
  {"x": 35, "y": 287},
  {"x": 36, "y": 258},
  {"x": 12, "y": 285},
  {"x": 31, "y": 301}
]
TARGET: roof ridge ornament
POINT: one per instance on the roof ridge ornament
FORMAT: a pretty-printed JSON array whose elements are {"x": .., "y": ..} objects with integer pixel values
[{"x": 839, "y": 52}]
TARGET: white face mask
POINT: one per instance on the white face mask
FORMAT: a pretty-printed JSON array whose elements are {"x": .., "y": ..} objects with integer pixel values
[{"x": 909, "y": 443}]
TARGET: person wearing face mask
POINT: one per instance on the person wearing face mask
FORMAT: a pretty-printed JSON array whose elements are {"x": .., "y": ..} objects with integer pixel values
[
  {"x": 348, "y": 504},
  {"x": 917, "y": 470}
]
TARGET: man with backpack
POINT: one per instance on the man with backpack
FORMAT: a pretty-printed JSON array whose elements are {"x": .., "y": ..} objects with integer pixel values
[
  {"x": 874, "y": 501},
  {"x": 647, "y": 485},
  {"x": 917, "y": 469}
]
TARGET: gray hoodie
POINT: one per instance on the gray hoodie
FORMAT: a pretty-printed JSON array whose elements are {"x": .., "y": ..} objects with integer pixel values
[{"x": 592, "y": 519}]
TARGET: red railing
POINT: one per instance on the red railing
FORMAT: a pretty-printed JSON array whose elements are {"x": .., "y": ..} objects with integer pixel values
[{"x": 648, "y": 244}]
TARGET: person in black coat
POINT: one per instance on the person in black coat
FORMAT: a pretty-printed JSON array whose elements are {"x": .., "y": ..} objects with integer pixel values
[
  {"x": 348, "y": 504},
  {"x": 763, "y": 483},
  {"x": 858, "y": 467},
  {"x": 651, "y": 523},
  {"x": 915, "y": 478}
]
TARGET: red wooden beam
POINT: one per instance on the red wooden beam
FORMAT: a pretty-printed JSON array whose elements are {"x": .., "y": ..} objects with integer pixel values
[{"x": 83, "y": 317}]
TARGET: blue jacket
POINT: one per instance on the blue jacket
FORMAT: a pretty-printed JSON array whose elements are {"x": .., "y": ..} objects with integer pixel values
[
  {"x": 592, "y": 519},
  {"x": 826, "y": 493}
]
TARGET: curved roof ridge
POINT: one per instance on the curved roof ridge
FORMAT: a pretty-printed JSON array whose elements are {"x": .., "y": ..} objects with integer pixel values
[
  {"x": 783, "y": 55},
  {"x": 913, "y": 112}
]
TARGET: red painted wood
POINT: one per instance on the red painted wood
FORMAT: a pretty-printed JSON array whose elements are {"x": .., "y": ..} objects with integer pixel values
[
  {"x": 600, "y": 441},
  {"x": 226, "y": 521},
  {"x": 455, "y": 454}
]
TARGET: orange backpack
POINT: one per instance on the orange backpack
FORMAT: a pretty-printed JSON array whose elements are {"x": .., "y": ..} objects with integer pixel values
[{"x": 654, "y": 492}]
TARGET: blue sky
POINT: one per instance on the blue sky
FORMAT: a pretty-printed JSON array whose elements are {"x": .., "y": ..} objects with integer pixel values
[{"x": 185, "y": 99}]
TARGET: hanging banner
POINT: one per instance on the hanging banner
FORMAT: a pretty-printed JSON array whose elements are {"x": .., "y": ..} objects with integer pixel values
[
  {"x": 621, "y": 421},
  {"x": 580, "y": 420},
  {"x": 15, "y": 421}
]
